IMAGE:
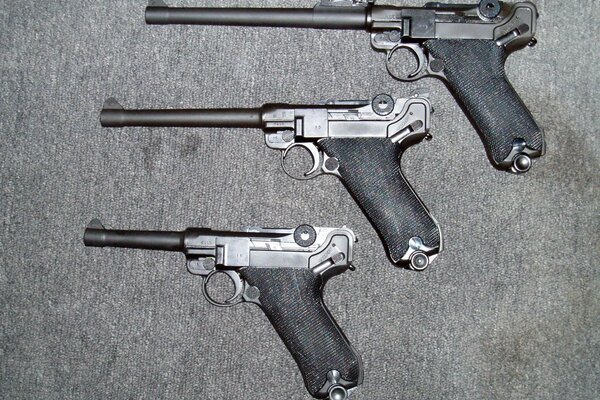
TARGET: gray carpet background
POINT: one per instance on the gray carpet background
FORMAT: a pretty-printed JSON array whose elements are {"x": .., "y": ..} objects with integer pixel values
[{"x": 510, "y": 310}]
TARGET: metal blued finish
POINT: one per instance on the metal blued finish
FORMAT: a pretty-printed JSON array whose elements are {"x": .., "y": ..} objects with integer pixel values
[
  {"x": 319, "y": 17},
  {"x": 359, "y": 141},
  {"x": 442, "y": 36},
  {"x": 96, "y": 236},
  {"x": 216, "y": 118},
  {"x": 290, "y": 295}
]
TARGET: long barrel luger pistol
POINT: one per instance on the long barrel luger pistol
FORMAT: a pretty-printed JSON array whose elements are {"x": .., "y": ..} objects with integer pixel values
[
  {"x": 465, "y": 45},
  {"x": 360, "y": 142},
  {"x": 284, "y": 272}
]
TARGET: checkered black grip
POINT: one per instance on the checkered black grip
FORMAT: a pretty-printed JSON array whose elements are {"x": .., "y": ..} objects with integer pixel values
[
  {"x": 476, "y": 77},
  {"x": 292, "y": 299},
  {"x": 370, "y": 170}
]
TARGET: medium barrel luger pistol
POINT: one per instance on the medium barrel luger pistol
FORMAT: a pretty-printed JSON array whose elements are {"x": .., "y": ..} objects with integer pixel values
[
  {"x": 284, "y": 272},
  {"x": 360, "y": 142},
  {"x": 465, "y": 45}
]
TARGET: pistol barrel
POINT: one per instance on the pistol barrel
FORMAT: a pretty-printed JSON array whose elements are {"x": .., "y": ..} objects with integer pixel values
[
  {"x": 318, "y": 18},
  {"x": 114, "y": 116},
  {"x": 97, "y": 236}
]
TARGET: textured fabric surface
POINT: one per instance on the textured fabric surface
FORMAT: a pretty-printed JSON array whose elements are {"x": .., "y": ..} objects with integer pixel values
[
  {"x": 508, "y": 311},
  {"x": 475, "y": 72},
  {"x": 370, "y": 169},
  {"x": 291, "y": 299}
]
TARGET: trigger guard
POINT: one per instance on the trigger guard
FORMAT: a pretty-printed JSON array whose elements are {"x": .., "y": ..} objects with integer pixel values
[
  {"x": 316, "y": 157},
  {"x": 417, "y": 51},
  {"x": 237, "y": 296}
]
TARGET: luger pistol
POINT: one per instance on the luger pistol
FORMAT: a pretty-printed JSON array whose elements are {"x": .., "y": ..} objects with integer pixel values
[
  {"x": 284, "y": 272},
  {"x": 465, "y": 45},
  {"x": 360, "y": 142}
]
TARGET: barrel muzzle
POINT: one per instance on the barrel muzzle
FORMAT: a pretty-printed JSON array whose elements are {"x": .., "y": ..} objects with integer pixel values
[
  {"x": 319, "y": 17},
  {"x": 113, "y": 115},
  {"x": 96, "y": 235}
]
